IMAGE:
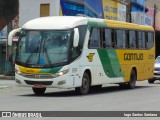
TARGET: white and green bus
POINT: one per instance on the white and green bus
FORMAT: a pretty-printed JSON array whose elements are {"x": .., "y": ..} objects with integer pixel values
[{"x": 82, "y": 53}]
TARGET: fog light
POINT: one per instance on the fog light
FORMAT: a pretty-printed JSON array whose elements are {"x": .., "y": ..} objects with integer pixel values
[
  {"x": 18, "y": 81},
  {"x": 61, "y": 82}
]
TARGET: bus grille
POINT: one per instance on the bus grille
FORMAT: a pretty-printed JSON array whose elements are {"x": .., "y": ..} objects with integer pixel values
[
  {"x": 38, "y": 82},
  {"x": 38, "y": 76}
]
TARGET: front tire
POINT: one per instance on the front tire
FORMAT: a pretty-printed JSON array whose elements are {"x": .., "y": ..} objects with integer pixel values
[
  {"x": 84, "y": 89},
  {"x": 38, "y": 91}
]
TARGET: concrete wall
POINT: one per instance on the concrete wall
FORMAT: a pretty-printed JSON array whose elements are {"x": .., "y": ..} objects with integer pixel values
[{"x": 30, "y": 9}]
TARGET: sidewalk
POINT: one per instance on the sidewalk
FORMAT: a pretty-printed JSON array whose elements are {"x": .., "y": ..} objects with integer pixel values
[
  {"x": 7, "y": 82},
  {"x": 2, "y": 77}
]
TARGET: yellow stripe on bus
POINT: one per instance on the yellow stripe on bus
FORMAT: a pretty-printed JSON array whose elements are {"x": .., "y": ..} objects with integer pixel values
[{"x": 29, "y": 70}]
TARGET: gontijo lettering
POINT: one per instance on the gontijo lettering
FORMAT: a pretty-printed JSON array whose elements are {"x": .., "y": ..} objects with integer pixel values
[{"x": 133, "y": 56}]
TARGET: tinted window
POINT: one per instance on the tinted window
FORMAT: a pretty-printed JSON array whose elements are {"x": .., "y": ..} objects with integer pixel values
[
  {"x": 95, "y": 38},
  {"x": 121, "y": 39},
  {"x": 141, "y": 39},
  {"x": 108, "y": 37},
  {"x": 132, "y": 39},
  {"x": 76, "y": 51},
  {"x": 82, "y": 32},
  {"x": 150, "y": 40}
]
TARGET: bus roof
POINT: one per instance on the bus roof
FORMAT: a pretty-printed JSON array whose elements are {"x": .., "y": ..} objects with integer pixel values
[
  {"x": 120, "y": 24},
  {"x": 66, "y": 22},
  {"x": 55, "y": 22}
]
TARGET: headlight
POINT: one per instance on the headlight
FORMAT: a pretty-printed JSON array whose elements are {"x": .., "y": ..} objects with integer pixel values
[
  {"x": 18, "y": 72},
  {"x": 44, "y": 76},
  {"x": 60, "y": 73}
]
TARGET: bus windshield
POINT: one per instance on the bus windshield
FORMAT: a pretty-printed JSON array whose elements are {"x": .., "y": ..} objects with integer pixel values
[{"x": 43, "y": 47}]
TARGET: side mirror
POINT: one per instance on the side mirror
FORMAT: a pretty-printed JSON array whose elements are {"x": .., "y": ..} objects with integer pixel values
[
  {"x": 76, "y": 37},
  {"x": 11, "y": 34}
]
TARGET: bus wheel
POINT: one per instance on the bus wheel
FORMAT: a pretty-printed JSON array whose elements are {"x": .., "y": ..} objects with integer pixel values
[
  {"x": 132, "y": 83},
  {"x": 84, "y": 89},
  {"x": 38, "y": 91},
  {"x": 151, "y": 81}
]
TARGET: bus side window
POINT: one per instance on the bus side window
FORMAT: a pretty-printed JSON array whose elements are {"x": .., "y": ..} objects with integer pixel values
[
  {"x": 76, "y": 51},
  {"x": 150, "y": 40},
  {"x": 143, "y": 40},
  {"x": 121, "y": 38},
  {"x": 82, "y": 33},
  {"x": 94, "y": 41},
  {"x": 139, "y": 37},
  {"x": 137, "y": 45},
  {"x": 108, "y": 37},
  {"x": 132, "y": 39}
]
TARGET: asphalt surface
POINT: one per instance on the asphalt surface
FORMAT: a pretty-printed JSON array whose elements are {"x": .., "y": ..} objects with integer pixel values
[{"x": 145, "y": 97}]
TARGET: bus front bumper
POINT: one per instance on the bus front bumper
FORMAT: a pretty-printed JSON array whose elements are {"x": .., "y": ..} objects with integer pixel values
[{"x": 63, "y": 81}]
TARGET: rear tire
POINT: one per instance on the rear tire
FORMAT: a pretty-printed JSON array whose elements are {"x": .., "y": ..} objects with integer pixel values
[
  {"x": 84, "y": 89},
  {"x": 132, "y": 83},
  {"x": 39, "y": 91},
  {"x": 151, "y": 81}
]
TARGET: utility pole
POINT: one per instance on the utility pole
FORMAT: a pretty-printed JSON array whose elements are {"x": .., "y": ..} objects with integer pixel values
[
  {"x": 155, "y": 11},
  {"x": 144, "y": 12}
]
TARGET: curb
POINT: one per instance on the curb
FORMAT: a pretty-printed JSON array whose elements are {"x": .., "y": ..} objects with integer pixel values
[{"x": 3, "y": 86}]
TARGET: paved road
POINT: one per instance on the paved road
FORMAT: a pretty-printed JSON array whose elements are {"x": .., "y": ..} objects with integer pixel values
[{"x": 145, "y": 97}]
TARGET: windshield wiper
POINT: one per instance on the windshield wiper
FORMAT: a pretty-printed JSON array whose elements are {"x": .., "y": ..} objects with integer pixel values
[{"x": 45, "y": 51}]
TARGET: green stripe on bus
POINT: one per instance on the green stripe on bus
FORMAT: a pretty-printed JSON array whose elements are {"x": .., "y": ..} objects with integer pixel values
[
  {"x": 51, "y": 70},
  {"x": 95, "y": 24},
  {"x": 110, "y": 63}
]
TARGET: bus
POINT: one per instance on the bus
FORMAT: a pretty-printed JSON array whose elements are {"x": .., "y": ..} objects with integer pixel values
[{"x": 82, "y": 53}]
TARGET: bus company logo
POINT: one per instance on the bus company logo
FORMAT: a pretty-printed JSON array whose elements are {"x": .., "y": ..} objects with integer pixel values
[
  {"x": 6, "y": 114},
  {"x": 29, "y": 71},
  {"x": 133, "y": 56},
  {"x": 90, "y": 57}
]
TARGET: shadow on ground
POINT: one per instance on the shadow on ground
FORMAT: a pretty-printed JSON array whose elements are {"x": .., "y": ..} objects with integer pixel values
[{"x": 103, "y": 90}]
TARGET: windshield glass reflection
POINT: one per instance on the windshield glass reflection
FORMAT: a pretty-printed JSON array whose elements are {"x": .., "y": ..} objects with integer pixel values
[{"x": 43, "y": 47}]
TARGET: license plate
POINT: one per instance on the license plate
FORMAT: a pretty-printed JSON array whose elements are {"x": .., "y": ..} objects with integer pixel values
[{"x": 38, "y": 86}]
